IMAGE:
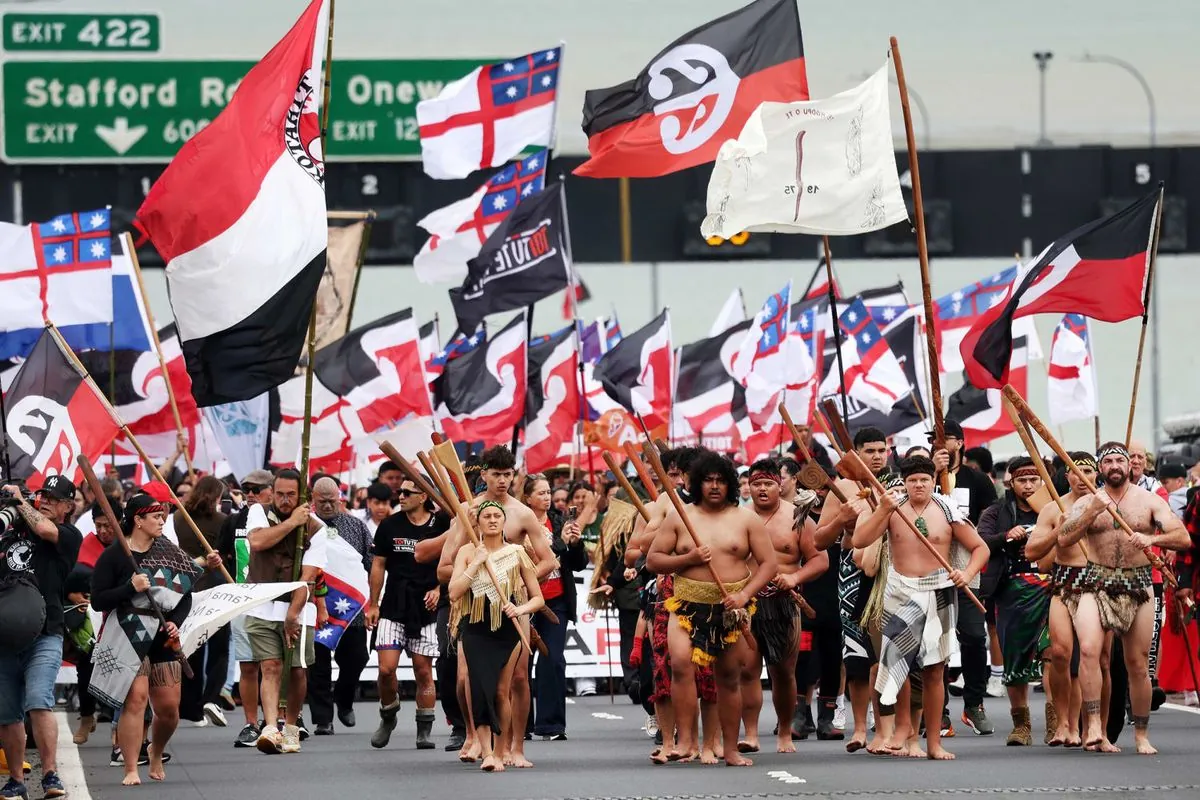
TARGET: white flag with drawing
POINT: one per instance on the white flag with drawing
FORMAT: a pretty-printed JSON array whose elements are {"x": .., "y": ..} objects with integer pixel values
[{"x": 814, "y": 167}]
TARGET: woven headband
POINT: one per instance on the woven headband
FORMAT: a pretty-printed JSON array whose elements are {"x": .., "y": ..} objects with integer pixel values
[
  {"x": 1084, "y": 460},
  {"x": 1112, "y": 450},
  {"x": 154, "y": 508},
  {"x": 491, "y": 504},
  {"x": 1029, "y": 469},
  {"x": 762, "y": 475}
]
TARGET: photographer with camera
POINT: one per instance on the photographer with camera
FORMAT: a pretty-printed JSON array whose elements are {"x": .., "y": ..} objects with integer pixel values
[{"x": 37, "y": 551}]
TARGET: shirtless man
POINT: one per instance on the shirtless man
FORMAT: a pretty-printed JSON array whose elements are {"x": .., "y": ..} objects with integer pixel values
[
  {"x": 776, "y": 622},
  {"x": 676, "y": 462},
  {"x": 837, "y": 525},
  {"x": 702, "y": 629},
  {"x": 1069, "y": 565},
  {"x": 920, "y": 601},
  {"x": 1117, "y": 586},
  {"x": 498, "y": 473}
]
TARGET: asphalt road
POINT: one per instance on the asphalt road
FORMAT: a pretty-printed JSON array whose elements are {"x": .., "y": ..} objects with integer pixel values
[{"x": 606, "y": 757}]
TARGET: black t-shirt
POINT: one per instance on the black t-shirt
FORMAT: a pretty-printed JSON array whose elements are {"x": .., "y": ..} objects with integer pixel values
[
  {"x": 113, "y": 591},
  {"x": 396, "y": 540},
  {"x": 21, "y": 550}
]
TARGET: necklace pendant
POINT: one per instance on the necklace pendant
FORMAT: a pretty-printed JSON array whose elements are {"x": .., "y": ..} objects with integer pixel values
[{"x": 922, "y": 526}]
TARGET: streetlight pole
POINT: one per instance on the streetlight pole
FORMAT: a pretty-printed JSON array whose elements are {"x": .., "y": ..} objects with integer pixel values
[
  {"x": 1155, "y": 403},
  {"x": 1043, "y": 61}
]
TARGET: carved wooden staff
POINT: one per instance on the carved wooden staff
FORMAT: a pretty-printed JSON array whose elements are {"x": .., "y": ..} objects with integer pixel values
[
  {"x": 627, "y": 486},
  {"x": 1014, "y": 397},
  {"x": 90, "y": 476},
  {"x": 841, "y": 442},
  {"x": 656, "y": 463},
  {"x": 417, "y": 478},
  {"x": 860, "y": 469},
  {"x": 640, "y": 468}
]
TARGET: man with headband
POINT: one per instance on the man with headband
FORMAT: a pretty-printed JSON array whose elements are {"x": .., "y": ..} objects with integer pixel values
[
  {"x": 776, "y": 622},
  {"x": 1022, "y": 595},
  {"x": 1066, "y": 586},
  {"x": 1117, "y": 585},
  {"x": 920, "y": 601}
]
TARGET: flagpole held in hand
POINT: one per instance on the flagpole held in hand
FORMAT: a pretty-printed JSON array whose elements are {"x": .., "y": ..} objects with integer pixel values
[
  {"x": 1137, "y": 367},
  {"x": 935, "y": 383},
  {"x": 127, "y": 241},
  {"x": 94, "y": 483}
]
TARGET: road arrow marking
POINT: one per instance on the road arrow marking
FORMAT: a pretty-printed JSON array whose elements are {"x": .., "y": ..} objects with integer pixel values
[{"x": 120, "y": 137}]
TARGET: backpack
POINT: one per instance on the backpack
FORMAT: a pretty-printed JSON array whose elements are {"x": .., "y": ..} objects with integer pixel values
[{"x": 22, "y": 611}]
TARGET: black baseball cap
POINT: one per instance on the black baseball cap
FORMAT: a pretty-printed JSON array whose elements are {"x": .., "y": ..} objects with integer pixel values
[
  {"x": 1171, "y": 469},
  {"x": 58, "y": 487}
]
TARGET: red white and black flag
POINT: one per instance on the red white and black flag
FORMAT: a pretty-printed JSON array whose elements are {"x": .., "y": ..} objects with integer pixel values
[
  {"x": 239, "y": 217},
  {"x": 480, "y": 395},
  {"x": 709, "y": 402},
  {"x": 1098, "y": 270},
  {"x": 981, "y": 411},
  {"x": 54, "y": 415},
  {"x": 524, "y": 260},
  {"x": 552, "y": 399},
  {"x": 696, "y": 93},
  {"x": 636, "y": 372}
]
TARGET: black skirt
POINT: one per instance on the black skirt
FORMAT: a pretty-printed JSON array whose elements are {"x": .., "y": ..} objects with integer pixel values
[{"x": 487, "y": 652}]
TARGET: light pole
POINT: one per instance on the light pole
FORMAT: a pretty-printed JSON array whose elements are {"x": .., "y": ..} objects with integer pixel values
[
  {"x": 922, "y": 110},
  {"x": 1043, "y": 61},
  {"x": 1155, "y": 408}
]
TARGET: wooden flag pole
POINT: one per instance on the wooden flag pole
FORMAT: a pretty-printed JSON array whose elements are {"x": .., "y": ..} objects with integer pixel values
[
  {"x": 626, "y": 214},
  {"x": 837, "y": 327},
  {"x": 90, "y": 476},
  {"x": 368, "y": 222},
  {"x": 935, "y": 382},
  {"x": 1137, "y": 367},
  {"x": 632, "y": 454},
  {"x": 1034, "y": 453},
  {"x": 1014, "y": 397},
  {"x": 127, "y": 240},
  {"x": 112, "y": 412}
]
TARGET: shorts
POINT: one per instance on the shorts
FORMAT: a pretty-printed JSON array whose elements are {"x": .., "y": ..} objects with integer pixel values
[
  {"x": 390, "y": 635},
  {"x": 161, "y": 673},
  {"x": 27, "y": 678},
  {"x": 241, "y": 645},
  {"x": 266, "y": 642}
]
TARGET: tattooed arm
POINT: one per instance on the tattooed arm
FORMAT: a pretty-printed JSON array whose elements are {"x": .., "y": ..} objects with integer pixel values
[
  {"x": 1081, "y": 516},
  {"x": 38, "y": 522}
]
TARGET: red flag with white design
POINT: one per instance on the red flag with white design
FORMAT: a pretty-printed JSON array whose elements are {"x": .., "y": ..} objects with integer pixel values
[
  {"x": 636, "y": 372},
  {"x": 981, "y": 411},
  {"x": 552, "y": 400}
]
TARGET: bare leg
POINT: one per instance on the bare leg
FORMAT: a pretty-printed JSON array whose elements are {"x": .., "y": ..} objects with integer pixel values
[
  {"x": 712, "y": 749},
  {"x": 664, "y": 713},
  {"x": 13, "y": 738},
  {"x": 1091, "y": 642},
  {"x": 495, "y": 760},
  {"x": 165, "y": 702},
  {"x": 1136, "y": 646},
  {"x": 783, "y": 695},
  {"x": 728, "y": 669},
  {"x": 268, "y": 693},
  {"x": 903, "y": 719},
  {"x": 472, "y": 747},
  {"x": 935, "y": 696},
  {"x": 45, "y": 732},
  {"x": 297, "y": 691},
  {"x": 860, "y": 699},
  {"x": 248, "y": 690},
  {"x": 1105, "y": 693},
  {"x": 515, "y": 752},
  {"x": 130, "y": 728},
  {"x": 683, "y": 689},
  {"x": 752, "y": 701},
  {"x": 1058, "y": 676}
]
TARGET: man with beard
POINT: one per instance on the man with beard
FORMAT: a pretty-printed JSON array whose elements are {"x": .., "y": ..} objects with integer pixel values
[
  {"x": 1023, "y": 595},
  {"x": 704, "y": 628},
  {"x": 1066, "y": 586},
  {"x": 920, "y": 601},
  {"x": 521, "y": 526},
  {"x": 406, "y": 548},
  {"x": 776, "y": 622},
  {"x": 290, "y": 621},
  {"x": 836, "y": 526},
  {"x": 1117, "y": 585}
]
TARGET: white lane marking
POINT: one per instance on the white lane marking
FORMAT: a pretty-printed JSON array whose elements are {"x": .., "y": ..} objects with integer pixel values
[
  {"x": 606, "y": 715},
  {"x": 70, "y": 767},
  {"x": 783, "y": 776},
  {"x": 1177, "y": 707}
]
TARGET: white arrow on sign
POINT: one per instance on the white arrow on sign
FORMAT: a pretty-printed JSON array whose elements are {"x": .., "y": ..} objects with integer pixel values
[{"x": 120, "y": 137}]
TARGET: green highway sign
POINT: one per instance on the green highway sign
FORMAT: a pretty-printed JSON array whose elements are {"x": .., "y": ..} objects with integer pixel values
[
  {"x": 143, "y": 111},
  {"x": 94, "y": 33}
]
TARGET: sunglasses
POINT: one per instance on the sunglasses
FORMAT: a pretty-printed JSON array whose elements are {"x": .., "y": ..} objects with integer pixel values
[{"x": 408, "y": 493}]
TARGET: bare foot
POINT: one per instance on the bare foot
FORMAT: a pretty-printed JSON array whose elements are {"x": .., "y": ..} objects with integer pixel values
[
  {"x": 1144, "y": 748},
  {"x": 492, "y": 764},
  {"x": 784, "y": 743},
  {"x": 857, "y": 742},
  {"x": 736, "y": 760},
  {"x": 748, "y": 745},
  {"x": 1073, "y": 740},
  {"x": 688, "y": 756},
  {"x": 658, "y": 757},
  {"x": 157, "y": 772},
  {"x": 877, "y": 745},
  {"x": 709, "y": 757},
  {"x": 467, "y": 756},
  {"x": 1060, "y": 737},
  {"x": 939, "y": 753},
  {"x": 914, "y": 751},
  {"x": 519, "y": 761},
  {"x": 131, "y": 779}
]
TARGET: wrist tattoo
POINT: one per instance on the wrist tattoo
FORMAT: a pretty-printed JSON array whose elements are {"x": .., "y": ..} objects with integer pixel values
[
  {"x": 1091, "y": 707},
  {"x": 30, "y": 514},
  {"x": 1140, "y": 722}
]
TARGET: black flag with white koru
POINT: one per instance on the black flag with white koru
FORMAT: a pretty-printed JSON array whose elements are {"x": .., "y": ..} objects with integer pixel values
[
  {"x": 524, "y": 260},
  {"x": 54, "y": 415}
]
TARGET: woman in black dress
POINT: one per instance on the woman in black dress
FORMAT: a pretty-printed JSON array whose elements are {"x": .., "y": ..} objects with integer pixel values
[{"x": 487, "y": 622}]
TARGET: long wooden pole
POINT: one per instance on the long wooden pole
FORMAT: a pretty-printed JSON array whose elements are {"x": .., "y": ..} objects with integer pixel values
[
  {"x": 627, "y": 486},
  {"x": 837, "y": 327},
  {"x": 1137, "y": 367},
  {"x": 626, "y": 213},
  {"x": 935, "y": 382},
  {"x": 1026, "y": 413},
  {"x": 150, "y": 466},
  {"x": 90, "y": 476},
  {"x": 127, "y": 241},
  {"x": 644, "y": 476}
]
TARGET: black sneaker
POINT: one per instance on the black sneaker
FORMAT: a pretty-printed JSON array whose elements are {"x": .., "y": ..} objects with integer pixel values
[
  {"x": 52, "y": 785},
  {"x": 144, "y": 755},
  {"x": 16, "y": 789},
  {"x": 116, "y": 759},
  {"x": 248, "y": 737},
  {"x": 304, "y": 734}
]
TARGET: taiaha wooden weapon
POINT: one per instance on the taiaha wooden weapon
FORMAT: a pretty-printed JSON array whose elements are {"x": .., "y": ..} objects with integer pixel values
[
  {"x": 1014, "y": 397},
  {"x": 94, "y": 483},
  {"x": 627, "y": 486},
  {"x": 656, "y": 464},
  {"x": 644, "y": 476}
]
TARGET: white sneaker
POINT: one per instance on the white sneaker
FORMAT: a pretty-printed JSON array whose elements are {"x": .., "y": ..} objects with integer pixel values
[
  {"x": 839, "y": 718},
  {"x": 651, "y": 726},
  {"x": 585, "y": 687},
  {"x": 995, "y": 687},
  {"x": 291, "y": 739},
  {"x": 1190, "y": 698},
  {"x": 200, "y": 723},
  {"x": 214, "y": 714}
]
